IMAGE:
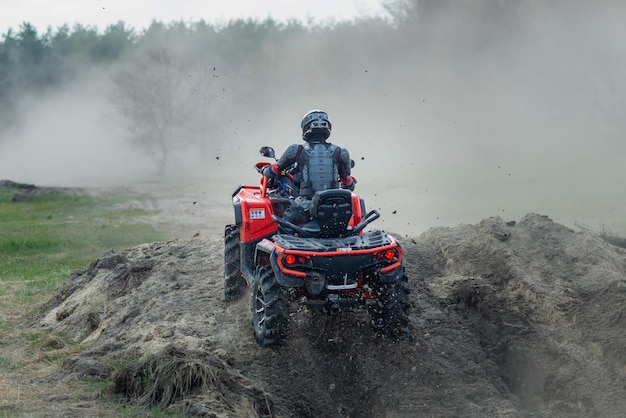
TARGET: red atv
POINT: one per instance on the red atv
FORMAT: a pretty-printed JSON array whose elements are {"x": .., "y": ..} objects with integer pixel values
[{"x": 329, "y": 262}]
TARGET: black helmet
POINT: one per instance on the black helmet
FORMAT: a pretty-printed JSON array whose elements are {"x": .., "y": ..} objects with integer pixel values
[{"x": 315, "y": 122}]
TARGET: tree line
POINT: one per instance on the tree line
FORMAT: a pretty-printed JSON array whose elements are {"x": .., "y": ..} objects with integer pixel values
[
  {"x": 32, "y": 62},
  {"x": 177, "y": 84}
]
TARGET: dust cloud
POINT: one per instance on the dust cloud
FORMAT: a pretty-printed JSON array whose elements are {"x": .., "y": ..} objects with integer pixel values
[
  {"x": 70, "y": 138},
  {"x": 458, "y": 115}
]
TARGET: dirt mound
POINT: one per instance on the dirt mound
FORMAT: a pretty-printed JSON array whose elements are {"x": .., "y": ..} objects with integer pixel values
[
  {"x": 508, "y": 320},
  {"x": 25, "y": 191}
]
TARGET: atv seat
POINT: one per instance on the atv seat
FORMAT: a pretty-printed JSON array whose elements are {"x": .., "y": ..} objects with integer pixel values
[{"x": 330, "y": 211}]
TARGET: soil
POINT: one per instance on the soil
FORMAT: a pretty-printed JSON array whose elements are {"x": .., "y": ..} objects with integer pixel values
[{"x": 508, "y": 319}]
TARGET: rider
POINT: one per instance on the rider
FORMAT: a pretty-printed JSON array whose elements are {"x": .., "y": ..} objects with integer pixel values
[{"x": 320, "y": 164}]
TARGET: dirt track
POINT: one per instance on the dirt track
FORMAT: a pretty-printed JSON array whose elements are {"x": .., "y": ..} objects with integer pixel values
[{"x": 508, "y": 320}]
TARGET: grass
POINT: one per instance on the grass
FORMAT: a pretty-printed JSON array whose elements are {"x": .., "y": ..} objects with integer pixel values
[
  {"x": 605, "y": 233},
  {"x": 611, "y": 237},
  {"x": 45, "y": 238},
  {"x": 164, "y": 378},
  {"x": 42, "y": 240}
]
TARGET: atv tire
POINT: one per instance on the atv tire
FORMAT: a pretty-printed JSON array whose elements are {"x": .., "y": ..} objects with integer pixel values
[
  {"x": 390, "y": 313},
  {"x": 234, "y": 282},
  {"x": 269, "y": 308}
]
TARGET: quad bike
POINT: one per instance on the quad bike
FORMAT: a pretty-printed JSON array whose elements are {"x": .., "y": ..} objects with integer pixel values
[{"x": 328, "y": 262}]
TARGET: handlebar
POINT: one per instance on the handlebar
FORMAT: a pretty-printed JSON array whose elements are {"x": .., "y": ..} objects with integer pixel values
[{"x": 371, "y": 216}]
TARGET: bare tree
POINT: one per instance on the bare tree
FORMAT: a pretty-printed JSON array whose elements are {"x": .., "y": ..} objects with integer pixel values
[{"x": 162, "y": 98}]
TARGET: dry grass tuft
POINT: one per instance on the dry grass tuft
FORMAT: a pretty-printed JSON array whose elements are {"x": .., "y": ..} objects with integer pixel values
[
  {"x": 175, "y": 374},
  {"x": 53, "y": 342},
  {"x": 606, "y": 234},
  {"x": 611, "y": 237}
]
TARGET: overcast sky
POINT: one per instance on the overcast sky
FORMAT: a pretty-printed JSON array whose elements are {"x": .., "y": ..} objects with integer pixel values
[{"x": 139, "y": 13}]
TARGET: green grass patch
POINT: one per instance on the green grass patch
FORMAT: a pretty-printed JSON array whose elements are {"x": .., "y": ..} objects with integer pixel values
[
  {"x": 7, "y": 363},
  {"x": 45, "y": 238}
]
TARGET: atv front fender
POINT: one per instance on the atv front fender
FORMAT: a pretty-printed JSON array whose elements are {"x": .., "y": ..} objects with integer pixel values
[
  {"x": 282, "y": 278},
  {"x": 390, "y": 276}
]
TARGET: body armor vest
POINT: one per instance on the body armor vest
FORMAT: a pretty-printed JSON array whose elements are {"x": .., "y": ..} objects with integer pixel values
[{"x": 318, "y": 168}]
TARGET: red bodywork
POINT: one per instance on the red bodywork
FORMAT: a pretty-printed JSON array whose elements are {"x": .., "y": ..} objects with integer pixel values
[
  {"x": 257, "y": 210},
  {"x": 348, "y": 266},
  {"x": 323, "y": 256}
]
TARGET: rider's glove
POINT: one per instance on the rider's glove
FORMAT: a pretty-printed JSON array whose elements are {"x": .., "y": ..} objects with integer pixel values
[
  {"x": 348, "y": 183},
  {"x": 271, "y": 171}
]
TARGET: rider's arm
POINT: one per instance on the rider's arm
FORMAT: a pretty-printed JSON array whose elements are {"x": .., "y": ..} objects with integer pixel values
[
  {"x": 345, "y": 164},
  {"x": 287, "y": 159}
]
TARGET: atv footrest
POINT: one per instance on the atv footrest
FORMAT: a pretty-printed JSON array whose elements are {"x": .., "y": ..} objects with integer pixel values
[{"x": 342, "y": 286}]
